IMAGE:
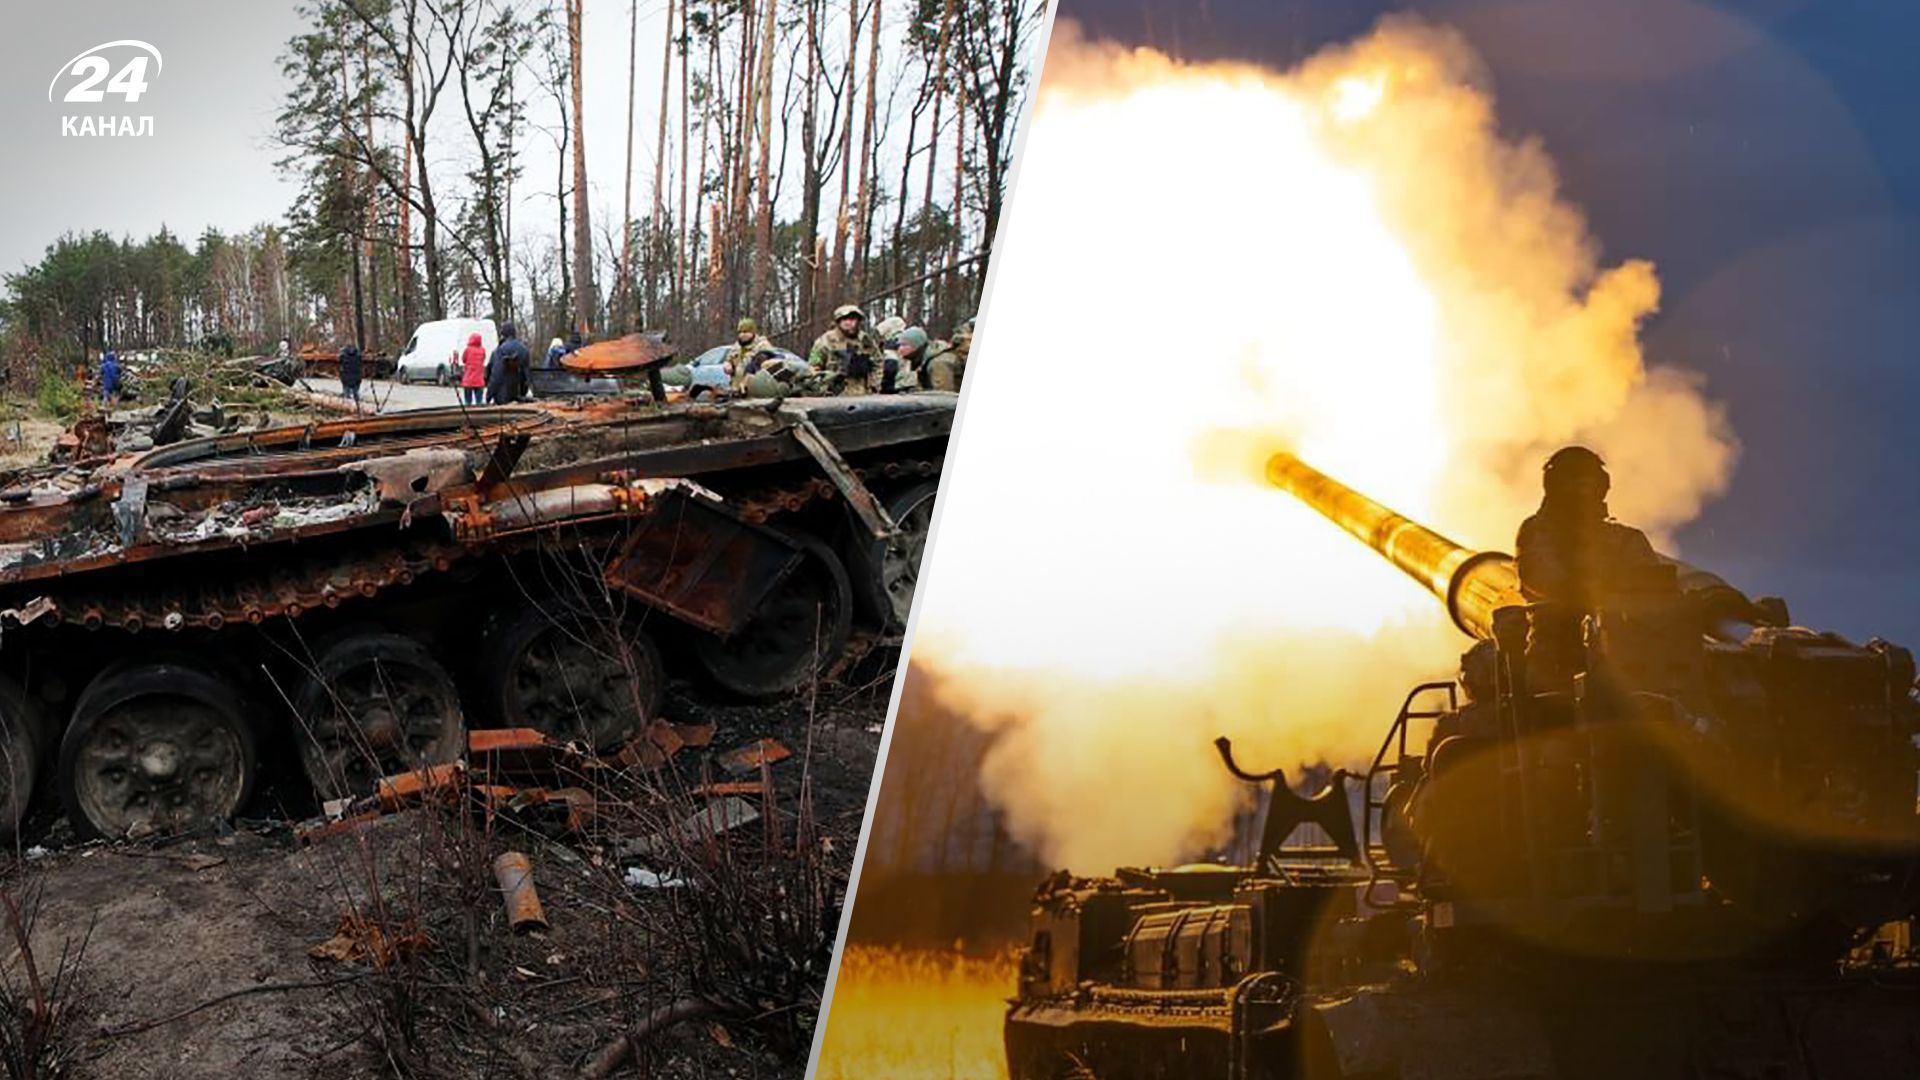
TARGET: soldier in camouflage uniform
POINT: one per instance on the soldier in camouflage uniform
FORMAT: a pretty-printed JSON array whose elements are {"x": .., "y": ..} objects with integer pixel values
[
  {"x": 895, "y": 376},
  {"x": 946, "y": 363},
  {"x": 909, "y": 350},
  {"x": 748, "y": 343},
  {"x": 849, "y": 352}
]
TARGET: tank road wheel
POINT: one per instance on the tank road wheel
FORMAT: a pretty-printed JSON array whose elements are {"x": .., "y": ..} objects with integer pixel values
[
  {"x": 578, "y": 676},
  {"x": 156, "y": 747},
  {"x": 799, "y": 629},
  {"x": 912, "y": 513},
  {"x": 885, "y": 576},
  {"x": 375, "y": 704},
  {"x": 21, "y": 731}
]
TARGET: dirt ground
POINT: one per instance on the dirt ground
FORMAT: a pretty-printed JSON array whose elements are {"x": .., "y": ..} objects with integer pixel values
[
  {"x": 25, "y": 442},
  {"x": 170, "y": 929}
]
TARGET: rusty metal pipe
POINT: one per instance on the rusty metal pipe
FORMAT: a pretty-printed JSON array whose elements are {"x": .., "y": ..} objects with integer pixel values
[
  {"x": 555, "y": 504},
  {"x": 1473, "y": 584},
  {"x": 514, "y": 874}
]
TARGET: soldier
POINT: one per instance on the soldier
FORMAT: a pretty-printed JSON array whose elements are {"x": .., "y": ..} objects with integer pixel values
[
  {"x": 849, "y": 352},
  {"x": 1570, "y": 552},
  {"x": 910, "y": 350},
  {"x": 748, "y": 343},
  {"x": 946, "y": 363},
  {"x": 1571, "y": 556},
  {"x": 888, "y": 330}
]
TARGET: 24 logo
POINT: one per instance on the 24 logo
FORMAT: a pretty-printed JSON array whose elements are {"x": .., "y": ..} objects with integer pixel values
[
  {"x": 129, "y": 81},
  {"x": 97, "y": 79}
]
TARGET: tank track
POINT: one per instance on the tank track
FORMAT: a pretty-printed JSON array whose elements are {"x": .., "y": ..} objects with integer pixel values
[
  {"x": 263, "y": 589},
  {"x": 760, "y": 505}
]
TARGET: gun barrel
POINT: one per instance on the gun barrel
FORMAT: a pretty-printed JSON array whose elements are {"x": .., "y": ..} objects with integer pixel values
[{"x": 1473, "y": 584}]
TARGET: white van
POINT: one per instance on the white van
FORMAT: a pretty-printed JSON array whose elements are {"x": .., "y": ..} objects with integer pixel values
[{"x": 433, "y": 353}]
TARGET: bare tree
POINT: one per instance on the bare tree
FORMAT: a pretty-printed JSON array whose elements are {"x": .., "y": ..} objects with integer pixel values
[
  {"x": 685, "y": 43},
  {"x": 763, "y": 225},
  {"x": 656, "y": 228},
  {"x": 993, "y": 37},
  {"x": 485, "y": 55},
  {"x": 864, "y": 203},
  {"x": 623, "y": 270},
  {"x": 584, "y": 294}
]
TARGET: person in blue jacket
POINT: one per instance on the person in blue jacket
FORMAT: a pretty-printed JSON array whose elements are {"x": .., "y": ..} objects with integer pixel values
[{"x": 109, "y": 378}]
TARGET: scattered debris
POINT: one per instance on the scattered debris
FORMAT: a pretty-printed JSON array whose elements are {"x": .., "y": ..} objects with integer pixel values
[
  {"x": 732, "y": 787},
  {"x": 402, "y": 478},
  {"x": 514, "y": 872},
  {"x": 640, "y": 877},
  {"x": 728, "y": 813},
  {"x": 409, "y": 788},
  {"x": 358, "y": 938},
  {"x": 544, "y": 784},
  {"x": 753, "y": 755}
]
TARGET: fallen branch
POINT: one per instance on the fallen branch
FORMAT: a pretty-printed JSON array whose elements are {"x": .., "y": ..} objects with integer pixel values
[
  {"x": 263, "y": 988},
  {"x": 615, "y": 1053}
]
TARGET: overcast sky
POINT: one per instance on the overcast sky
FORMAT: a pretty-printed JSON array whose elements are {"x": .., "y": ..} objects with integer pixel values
[
  {"x": 211, "y": 161},
  {"x": 1763, "y": 154}
]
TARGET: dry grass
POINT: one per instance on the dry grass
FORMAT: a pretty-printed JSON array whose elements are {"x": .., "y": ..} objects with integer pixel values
[{"x": 917, "y": 1014}]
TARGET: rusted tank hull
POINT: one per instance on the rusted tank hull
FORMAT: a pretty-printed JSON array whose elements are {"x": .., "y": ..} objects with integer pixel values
[{"x": 206, "y": 579}]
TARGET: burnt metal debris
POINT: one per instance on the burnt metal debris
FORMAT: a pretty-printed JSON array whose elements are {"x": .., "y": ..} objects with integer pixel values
[
  {"x": 1697, "y": 853},
  {"x": 354, "y": 595}
]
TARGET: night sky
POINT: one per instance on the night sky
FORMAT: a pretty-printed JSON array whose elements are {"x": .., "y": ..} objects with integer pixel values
[{"x": 1764, "y": 156}]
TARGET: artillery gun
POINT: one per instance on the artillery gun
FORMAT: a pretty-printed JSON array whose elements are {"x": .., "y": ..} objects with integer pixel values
[
  {"x": 1685, "y": 847},
  {"x": 344, "y": 599}
]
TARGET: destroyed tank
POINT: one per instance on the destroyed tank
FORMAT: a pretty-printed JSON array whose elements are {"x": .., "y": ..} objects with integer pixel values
[
  {"x": 342, "y": 600},
  {"x": 1687, "y": 849}
]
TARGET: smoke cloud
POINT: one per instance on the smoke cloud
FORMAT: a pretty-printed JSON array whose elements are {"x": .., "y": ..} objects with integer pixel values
[{"x": 1203, "y": 264}]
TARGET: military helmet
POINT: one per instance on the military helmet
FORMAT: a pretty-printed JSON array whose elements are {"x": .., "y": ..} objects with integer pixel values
[
  {"x": 913, "y": 337},
  {"x": 845, "y": 310},
  {"x": 890, "y": 327},
  {"x": 747, "y": 326},
  {"x": 1569, "y": 462}
]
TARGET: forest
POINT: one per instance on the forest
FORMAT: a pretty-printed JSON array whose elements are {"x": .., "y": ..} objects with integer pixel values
[{"x": 803, "y": 153}]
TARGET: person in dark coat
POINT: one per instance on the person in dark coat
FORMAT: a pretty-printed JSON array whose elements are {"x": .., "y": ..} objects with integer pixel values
[
  {"x": 507, "y": 371},
  {"x": 350, "y": 373}
]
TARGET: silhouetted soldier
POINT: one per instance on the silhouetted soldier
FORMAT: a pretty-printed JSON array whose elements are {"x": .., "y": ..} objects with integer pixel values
[{"x": 1571, "y": 556}]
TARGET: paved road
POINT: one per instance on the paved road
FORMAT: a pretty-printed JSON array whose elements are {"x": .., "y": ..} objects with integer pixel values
[{"x": 391, "y": 396}]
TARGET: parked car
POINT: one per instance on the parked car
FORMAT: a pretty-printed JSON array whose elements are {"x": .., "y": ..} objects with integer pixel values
[
  {"x": 559, "y": 382},
  {"x": 433, "y": 353}
]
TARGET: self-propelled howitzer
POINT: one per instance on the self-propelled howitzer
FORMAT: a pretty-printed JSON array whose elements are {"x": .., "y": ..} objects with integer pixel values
[{"x": 1672, "y": 835}]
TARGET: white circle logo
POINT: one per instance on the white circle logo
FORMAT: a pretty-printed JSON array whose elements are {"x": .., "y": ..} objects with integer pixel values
[{"x": 97, "y": 77}]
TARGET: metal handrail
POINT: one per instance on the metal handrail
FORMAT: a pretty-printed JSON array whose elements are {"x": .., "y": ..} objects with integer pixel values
[{"x": 1396, "y": 739}]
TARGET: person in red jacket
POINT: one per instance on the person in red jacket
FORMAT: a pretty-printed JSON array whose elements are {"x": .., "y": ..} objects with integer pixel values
[{"x": 473, "y": 371}]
